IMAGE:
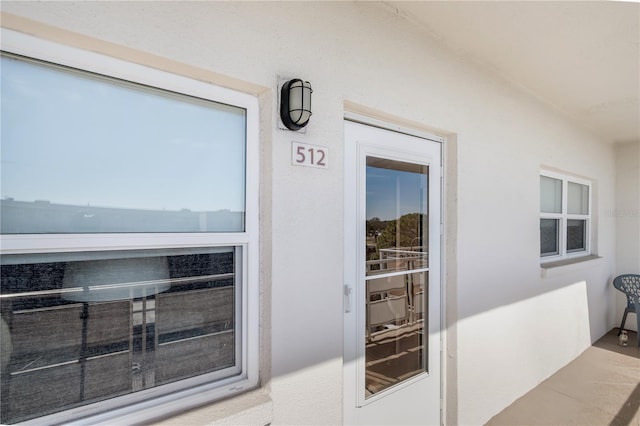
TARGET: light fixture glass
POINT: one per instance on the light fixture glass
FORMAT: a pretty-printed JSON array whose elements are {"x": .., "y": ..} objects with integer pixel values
[{"x": 295, "y": 103}]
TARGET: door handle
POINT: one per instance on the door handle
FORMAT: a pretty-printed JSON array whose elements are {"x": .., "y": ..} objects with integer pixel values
[{"x": 347, "y": 298}]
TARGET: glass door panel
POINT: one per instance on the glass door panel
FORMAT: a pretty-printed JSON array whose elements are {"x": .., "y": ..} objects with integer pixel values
[{"x": 396, "y": 272}]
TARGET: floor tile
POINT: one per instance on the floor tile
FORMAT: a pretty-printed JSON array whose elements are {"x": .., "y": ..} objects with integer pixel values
[{"x": 600, "y": 387}]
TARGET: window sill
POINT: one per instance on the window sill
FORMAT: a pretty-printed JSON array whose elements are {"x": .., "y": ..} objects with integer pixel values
[
  {"x": 254, "y": 407},
  {"x": 551, "y": 269}
]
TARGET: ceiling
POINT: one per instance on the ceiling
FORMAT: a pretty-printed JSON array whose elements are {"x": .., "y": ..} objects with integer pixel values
[{"x": 582, "y": 57}]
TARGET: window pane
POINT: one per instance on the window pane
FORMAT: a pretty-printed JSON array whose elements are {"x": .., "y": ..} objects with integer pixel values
[
  {"x": 578, "y": 201},
  {"x": 576, "y": 235},
  {"x": 550, "y": 195},
  {"x": 395, "y": 345},
  {"x": 396, "y": 244},
  {"x": 549, "y": 234},
  {"x": 83, "y": 153},
  {"x": 397, "y": 222},
  {"x": 78, "y": 331}
]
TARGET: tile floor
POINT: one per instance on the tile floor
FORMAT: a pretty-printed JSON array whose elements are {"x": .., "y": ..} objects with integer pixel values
[{"x": 600, "y": 387}]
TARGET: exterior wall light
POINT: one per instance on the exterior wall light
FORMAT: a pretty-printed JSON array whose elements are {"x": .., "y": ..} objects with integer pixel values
[{"x": 295, "y": 103}]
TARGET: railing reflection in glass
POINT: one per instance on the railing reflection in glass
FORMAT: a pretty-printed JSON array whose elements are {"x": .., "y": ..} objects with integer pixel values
[
  {"x": 397, "y": 276},
  {"x": 79, "y": 328}
]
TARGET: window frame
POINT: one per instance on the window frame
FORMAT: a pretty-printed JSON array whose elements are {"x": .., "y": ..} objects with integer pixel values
[
  {"x": 165, "y": 399},
  {"x": 564, "y": 216}
]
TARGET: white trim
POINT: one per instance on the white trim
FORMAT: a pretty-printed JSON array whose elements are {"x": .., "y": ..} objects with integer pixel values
[
  {"x": 554, "y": 269},
  {"x": 374, "y": 122},
  {"x": 185, "y": 394},
  {"x": 395, "y": 274},
  {"x": 58, "y": 243}
]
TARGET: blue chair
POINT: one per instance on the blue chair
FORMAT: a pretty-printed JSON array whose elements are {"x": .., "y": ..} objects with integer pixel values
[{"x": 629, "y": 284}]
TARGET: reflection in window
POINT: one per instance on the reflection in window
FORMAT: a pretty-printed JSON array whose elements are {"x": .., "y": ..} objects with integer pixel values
[
  {"x": 549, "y": 237},
  {"x": 83, "y": 153},
  {"x": 81, "y": 328},
  {"x": 550, "y": 195},
  {"x": 578, "y": 198},
  {"x": 87, "y": 318},
  {"x": 576, "y": 235},
  {"x": 396, "y": 211},
  {"x": 396, "y": 272}
]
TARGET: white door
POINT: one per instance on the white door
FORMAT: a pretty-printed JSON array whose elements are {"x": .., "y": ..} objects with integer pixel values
[{"x": 392, "y": 336}]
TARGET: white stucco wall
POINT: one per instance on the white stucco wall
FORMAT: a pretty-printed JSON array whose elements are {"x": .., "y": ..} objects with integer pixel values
[
  {"x": 627, "y": 214},
  {"x": 514, "y": 326}
]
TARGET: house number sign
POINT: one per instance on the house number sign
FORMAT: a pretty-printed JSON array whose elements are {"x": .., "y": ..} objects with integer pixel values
[{"x": 304, "y": 154}]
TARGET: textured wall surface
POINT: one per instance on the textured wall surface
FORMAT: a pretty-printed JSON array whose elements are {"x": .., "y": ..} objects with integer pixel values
[{"x": 515, "y": 327}]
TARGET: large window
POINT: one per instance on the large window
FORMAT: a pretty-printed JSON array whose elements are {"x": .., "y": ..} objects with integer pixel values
[
  {"x": 129, "y": 237},
  {"x": 565, "y": 216}
]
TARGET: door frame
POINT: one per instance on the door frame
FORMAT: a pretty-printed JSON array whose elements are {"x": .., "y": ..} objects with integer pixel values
[{"x": 351, "y": 220}]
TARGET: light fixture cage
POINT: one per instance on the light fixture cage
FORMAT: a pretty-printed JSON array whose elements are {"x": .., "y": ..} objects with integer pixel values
[{"x": 295, "y": 103}]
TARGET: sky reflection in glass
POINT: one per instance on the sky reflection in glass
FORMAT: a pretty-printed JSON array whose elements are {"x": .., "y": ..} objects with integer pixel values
[
  {"x": 394, "y": 193},
  {"x": 75, "y": 139}
]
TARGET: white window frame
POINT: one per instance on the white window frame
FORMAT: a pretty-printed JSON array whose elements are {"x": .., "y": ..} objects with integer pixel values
[
  {"x": 564, "y": 216},
  {"x": 166, "y": 399}
]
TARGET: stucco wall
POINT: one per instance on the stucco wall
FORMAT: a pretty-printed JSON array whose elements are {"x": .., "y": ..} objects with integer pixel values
[
  {"x": 627, "y": 214},
  {"x": 515, "y": 326}
]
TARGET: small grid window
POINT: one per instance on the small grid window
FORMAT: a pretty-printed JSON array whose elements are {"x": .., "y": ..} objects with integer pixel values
[{"x": 565, "y": 216}]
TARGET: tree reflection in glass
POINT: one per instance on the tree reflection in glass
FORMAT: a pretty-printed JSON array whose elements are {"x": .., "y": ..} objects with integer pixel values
[{"x": 396, "y": 272}]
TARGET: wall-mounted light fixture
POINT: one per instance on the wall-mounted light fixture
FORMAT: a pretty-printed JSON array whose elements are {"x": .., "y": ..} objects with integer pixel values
[{"x": 295, "y": 103}]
